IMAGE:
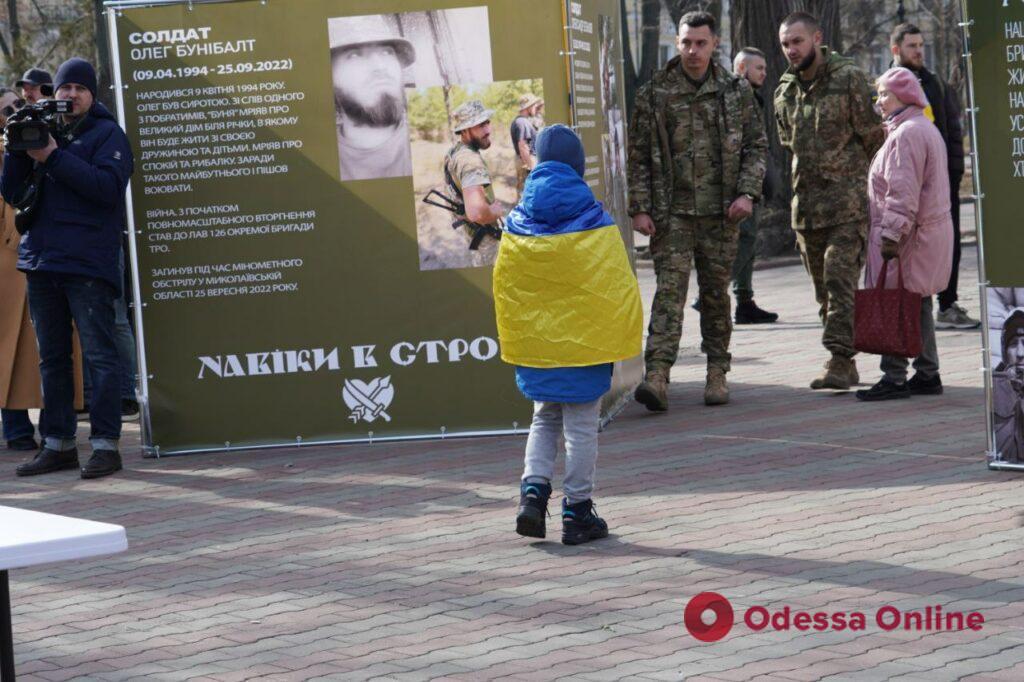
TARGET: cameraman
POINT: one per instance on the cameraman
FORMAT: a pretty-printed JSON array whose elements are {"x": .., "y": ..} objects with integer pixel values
[{"x": 71, "y": 256}]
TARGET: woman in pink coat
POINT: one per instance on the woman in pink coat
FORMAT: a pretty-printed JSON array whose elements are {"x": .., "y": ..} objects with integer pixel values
[{"x": 908, "y": 192}]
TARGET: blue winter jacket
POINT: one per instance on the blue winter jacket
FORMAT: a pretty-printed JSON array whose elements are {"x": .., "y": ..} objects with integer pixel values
[
  {"x": 80, "y": 216},
  {"x": 556, "y": 200}
]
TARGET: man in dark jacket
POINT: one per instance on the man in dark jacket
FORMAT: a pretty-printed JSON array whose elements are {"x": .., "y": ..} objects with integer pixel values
[
  {"x": 71, "y": 256},
  {"x": 908, "y": 51}
]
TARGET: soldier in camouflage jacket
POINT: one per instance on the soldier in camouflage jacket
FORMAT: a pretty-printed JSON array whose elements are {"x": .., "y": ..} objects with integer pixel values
[
  {"x": 826, "y": 119},
  {"x": 697, "y": 155}
]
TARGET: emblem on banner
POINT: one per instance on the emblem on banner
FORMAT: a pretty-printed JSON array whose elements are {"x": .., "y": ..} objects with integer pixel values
[{"x": 368, "y": 401}]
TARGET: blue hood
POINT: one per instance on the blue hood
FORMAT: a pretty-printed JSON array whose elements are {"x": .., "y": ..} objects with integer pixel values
[{"x": 556, "y": 200}]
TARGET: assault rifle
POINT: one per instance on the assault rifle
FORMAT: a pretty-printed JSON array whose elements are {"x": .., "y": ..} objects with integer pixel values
[{"x": 459, "y": 209}]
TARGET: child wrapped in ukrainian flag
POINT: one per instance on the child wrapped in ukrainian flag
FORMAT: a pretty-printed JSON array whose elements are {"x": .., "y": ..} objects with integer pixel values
[{"x": 568, "y": 307}]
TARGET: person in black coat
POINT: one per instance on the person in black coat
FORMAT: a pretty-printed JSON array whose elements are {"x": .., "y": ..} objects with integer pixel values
[
  {"x": 907, "y": 44},
  {"x": 71, "y": 255}
]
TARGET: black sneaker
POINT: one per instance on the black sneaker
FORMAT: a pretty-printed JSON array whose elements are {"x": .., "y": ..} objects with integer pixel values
[
  {"x": 921, "y": 386},
  {"x": 580, "y": 523},
  {"x": 747, "y": 312},
  {"x": 129, "y": 410},
  {"x": 884, "y": 390},
  {"x": 102, "y": 463},
  {"x": 47, "y": 461},
  {"x": 533, "y": 509},
  {"x": 24, "y": 444}
]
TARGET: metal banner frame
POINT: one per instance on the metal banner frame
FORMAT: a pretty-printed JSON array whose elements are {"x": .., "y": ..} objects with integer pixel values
[{"x": 993, "y": 457}]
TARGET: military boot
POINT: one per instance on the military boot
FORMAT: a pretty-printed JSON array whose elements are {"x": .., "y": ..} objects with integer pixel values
[
  {"x": 840, "y": 373},
  {"x": 716, "y": 391},
  {"x": 653, "y": 392}
]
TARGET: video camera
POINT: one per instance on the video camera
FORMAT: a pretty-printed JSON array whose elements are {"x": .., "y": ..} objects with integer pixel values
[{"x": 30, "y": 127}]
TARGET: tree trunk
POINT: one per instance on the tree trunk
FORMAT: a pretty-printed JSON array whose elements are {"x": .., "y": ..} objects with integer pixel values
[
  {"x": 104, "y": 69},
  {"x": 650, "y": 30},
  {"x": 15, "y": 49},
  {"x": 628, "y": 66},
  {"x": 755, "y": 23}
]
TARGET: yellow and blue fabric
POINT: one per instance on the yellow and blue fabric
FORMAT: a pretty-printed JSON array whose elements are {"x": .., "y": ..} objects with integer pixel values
[{"x": 566, "y": 299}]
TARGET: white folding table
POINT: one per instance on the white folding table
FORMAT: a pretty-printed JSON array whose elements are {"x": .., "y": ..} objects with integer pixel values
[{"x": 29, "y": 538}]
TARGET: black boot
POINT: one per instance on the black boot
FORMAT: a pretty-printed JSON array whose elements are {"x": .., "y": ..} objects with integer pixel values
[
  {"x": 884, "y": 390},
  {"x": 533, "y": 509},
  {"x": 102, "y": 463},
  {"x": 747, "y": 312},
  {"x": 921, "y": 386},
  {"x": 23, "y": 444},
  {"x": 580, "y": 523},
  {"x": 47, "y": 461}
]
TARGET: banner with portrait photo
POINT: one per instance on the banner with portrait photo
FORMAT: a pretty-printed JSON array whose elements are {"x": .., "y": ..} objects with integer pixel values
[
  {"x": 294, "y": 286},
  {"x": 994, "y": 36}
]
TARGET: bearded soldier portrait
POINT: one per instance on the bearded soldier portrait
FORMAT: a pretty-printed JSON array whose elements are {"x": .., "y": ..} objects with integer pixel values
[
  {"x": 467, "y": 178},
  {"x": 368, "y": 56},
  {"x": 696, "y": 161},
  {"x": 826, "y": 120}
]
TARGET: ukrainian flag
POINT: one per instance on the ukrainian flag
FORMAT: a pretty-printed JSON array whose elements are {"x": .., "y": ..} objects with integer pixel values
[{"x": 564, "y": 292}]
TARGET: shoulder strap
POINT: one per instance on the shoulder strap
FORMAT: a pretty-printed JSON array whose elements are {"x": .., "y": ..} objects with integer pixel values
[{"x": 449, "y": 180}]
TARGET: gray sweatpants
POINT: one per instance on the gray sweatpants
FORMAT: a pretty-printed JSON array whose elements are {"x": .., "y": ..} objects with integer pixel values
[
  {"x": 579, "y": 423},
  {"x": 927, "y": 363}
]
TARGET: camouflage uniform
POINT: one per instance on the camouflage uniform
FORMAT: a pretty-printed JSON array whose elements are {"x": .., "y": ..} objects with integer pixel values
[
  {"x": 464, "y": 165},
  {"x": 830, "y": 126},
  {"x": 693, "y": 150}
]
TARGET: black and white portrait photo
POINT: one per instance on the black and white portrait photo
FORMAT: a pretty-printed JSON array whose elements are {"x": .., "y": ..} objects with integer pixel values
[
  {"x": 375, "y": 57},
  {"x": 1006, "y": 336}
]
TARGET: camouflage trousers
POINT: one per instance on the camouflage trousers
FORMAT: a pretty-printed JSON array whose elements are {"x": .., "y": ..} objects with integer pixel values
[
  {"x": 709, "y": 243},
  {"x": 833, "y": 257}
]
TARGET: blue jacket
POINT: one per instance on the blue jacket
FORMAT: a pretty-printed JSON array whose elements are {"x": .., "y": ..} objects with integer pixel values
[
  {"x": 81, "y": 212},
  {"x": 556, "y": 200}
]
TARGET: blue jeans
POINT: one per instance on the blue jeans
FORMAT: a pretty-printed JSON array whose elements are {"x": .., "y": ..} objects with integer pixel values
[
  {"x": 17, "y": 424},
  {"x": 125, "y": 340},
  {"x": 55, "y": 299}
]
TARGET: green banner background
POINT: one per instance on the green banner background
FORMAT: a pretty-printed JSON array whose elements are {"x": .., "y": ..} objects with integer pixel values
[
  {"x": 360, "y": 284},
  {"x": 999, "y": 96}
]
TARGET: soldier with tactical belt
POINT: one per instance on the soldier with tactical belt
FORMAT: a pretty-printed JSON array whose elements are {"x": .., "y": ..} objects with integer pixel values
[
  {"x": 465, "y": 171},
  {"x": 826, "y": 119},
  {"x": 697, "y": 154}
]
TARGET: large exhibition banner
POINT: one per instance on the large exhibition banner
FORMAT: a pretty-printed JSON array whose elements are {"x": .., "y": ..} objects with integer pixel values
[
  {"x": 994, "y": 32},
  {"x": 295, "y": 287}
]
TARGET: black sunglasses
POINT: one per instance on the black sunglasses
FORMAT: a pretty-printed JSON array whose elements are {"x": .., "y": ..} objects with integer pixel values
[{"x": 11, "y": 108}]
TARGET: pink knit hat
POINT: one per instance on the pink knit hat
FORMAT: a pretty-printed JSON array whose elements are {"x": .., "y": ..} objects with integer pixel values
[{"x": 903, "y": 84}]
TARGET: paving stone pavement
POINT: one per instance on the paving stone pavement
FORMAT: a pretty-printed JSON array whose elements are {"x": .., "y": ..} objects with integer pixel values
[{"x": 399, "y": 561}]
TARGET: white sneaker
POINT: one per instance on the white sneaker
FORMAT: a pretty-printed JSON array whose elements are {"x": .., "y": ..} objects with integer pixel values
[{"x": 955, "y": 317}]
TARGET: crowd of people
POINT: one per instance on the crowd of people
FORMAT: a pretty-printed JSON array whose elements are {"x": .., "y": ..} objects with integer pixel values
[
  {"x": 67, "y": 343},
  {"x": 875, "y": 172}
]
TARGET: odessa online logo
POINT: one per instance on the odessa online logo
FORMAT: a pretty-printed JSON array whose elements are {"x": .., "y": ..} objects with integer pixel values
[{"x": 709, "y": 617}]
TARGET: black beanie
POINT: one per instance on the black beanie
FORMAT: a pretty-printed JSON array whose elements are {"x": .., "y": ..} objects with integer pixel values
[{"x": 76, "y": 70}]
